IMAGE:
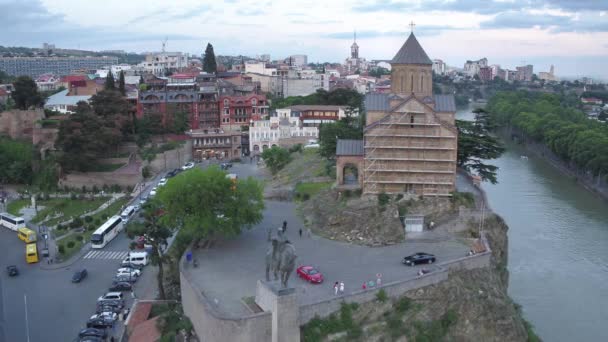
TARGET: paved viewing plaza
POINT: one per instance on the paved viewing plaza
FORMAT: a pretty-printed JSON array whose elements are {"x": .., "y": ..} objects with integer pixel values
[{"x": 229, "y": 270}]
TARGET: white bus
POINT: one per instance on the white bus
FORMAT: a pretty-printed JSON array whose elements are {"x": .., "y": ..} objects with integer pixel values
[
  {"x": 104, "y": 234},
  {"x": 126, "y": 214},
  {"x": 11, "y": 222}
]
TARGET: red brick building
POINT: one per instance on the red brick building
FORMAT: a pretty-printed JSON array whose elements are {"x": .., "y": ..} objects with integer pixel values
[
  {"x": 485, "y": 74},
  {"x": 237, "y": 111}
]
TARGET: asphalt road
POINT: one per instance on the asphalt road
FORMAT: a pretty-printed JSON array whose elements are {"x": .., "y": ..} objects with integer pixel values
[{"x": 44, "y": 305}]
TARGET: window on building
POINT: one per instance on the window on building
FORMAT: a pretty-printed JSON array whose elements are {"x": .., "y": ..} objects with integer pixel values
[
  {"x": 412, "y": 82},
  {"x": 412, "y": 120},
  {"x": 254, "y": 102},
  {"x": 226, "y": 103}
]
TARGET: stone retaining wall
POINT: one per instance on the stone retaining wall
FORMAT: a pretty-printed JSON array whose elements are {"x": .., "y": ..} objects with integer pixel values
[
  {"x": 210, "y": 325},
  {"x": 89, "y": 179},
  {"x": 172, "y": 159}
]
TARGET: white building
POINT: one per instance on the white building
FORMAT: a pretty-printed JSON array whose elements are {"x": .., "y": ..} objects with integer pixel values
[
  {"x": 297, "y": 60},
  {"x": 471, "y": 68},
  {"x": 260, "y": 68},
  {"x": 47, "y": 82},
  {"x": 438, "y": 67},
  {"x": 279, "y": 131},
  {"x": 116, "y": 69},
  {"x": 162, "y": 62},
  {"x": 63, "y": 103}
]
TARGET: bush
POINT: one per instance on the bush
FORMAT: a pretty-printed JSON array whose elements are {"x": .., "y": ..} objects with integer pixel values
[
  {"x": 60, "y": 227},
  {"x": 305, "y": 197},
  {"x": 295, "y": 148},
  {"x": 115, "y": 188},
  {"x": 145, "y": 172},
  {"x": 399, "y": 197},
  {"x": 95, "y": 189},
  {"x": 88, "y": 219},
  {"x": 383, "y": 199},
  {"x": 76, "y": 222},
  {"x": 61, "y": 248},
  {"x": 381, "y": 296},
  {"x": 403, "y": 304},
  {"x": 71, "y": 244},
  {"x": 97, "y": 221},
  {"x": 73, "y": 196}
]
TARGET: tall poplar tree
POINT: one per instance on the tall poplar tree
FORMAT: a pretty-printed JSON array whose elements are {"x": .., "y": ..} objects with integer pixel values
[
  {"x": 209, "y": 63},
  {"x": 110, "y": 82},
  {"x": 121, "y": 83}
]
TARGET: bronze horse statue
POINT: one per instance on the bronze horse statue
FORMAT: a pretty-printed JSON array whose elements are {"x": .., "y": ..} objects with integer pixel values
[{"x": 281, "y": 260}]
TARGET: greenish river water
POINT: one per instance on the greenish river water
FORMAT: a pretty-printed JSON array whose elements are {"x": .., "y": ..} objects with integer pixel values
[{"x": 558, "y": 246}]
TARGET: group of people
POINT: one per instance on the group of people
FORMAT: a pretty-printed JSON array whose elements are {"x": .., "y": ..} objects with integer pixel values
[{"x": 339, "y": 288}]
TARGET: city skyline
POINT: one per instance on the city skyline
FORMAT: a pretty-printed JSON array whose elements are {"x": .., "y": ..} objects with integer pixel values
[{"x": 572, "y": 35}]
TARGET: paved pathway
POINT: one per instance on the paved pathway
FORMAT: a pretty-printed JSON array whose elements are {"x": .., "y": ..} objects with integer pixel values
[{"x": 229, "y": 271}]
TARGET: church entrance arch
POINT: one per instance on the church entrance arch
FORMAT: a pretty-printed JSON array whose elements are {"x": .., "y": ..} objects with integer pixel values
[{"x": 350, "y": 174}]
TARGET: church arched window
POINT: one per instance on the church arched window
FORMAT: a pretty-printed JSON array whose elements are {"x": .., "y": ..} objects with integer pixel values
[
  {"x": 412, "y": 82},
  {"x": 421, "y": 82}
]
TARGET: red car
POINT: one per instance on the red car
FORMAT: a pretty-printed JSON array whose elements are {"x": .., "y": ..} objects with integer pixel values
[{"x": 310, "y": 274}]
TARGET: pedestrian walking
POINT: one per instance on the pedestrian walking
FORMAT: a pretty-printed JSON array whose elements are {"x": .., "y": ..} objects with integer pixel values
[
  {"x": 341, "y": 287},
  {"x": 336, "y": 288},
  {"x": 308, "y": 232},
  {"x": 364, "y": 286},
  {"x": 132, "y": 294},
  {"x": 300, "y": 231},
  {"x": 378, "y": 281},
  {"x": 284, "y": 226}
]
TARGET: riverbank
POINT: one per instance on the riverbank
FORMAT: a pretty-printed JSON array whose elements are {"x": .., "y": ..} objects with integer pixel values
[{"x": 597, "y": 185}]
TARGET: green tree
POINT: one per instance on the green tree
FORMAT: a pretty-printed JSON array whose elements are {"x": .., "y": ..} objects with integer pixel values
[
  {"x": 83, "y": 138},
  {"x": 155, "y": 233},
  {"x": 276, "y": 158},
  {"x": 329, "y": 133},
  {"x": 209, "y": 63},
  {"x": 5, "y": 78},
  {"x": 26, "y": 93},
  {"x": 110, "y": 83},
  {"x": 205, "y": 204},
  {"x": 121, "y": 83},
  {"x": 108, "y": 103},
  {"x": 16, "y": 156},
  {"x": 476, "y": 145}
]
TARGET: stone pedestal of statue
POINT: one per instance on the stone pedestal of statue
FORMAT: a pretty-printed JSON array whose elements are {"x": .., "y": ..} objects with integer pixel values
[{"x": 283, "y": 304}]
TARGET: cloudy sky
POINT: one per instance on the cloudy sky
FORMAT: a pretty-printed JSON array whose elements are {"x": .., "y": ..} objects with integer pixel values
[{"x": 573, "y": 34}]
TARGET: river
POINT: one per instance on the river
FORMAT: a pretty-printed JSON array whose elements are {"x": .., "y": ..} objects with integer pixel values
[{"x": 558, "y": 246}]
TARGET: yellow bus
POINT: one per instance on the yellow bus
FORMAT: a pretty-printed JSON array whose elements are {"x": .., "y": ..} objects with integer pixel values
[
  {"x": 26, "y": 235},
  {"x": 31, "y": 253}
]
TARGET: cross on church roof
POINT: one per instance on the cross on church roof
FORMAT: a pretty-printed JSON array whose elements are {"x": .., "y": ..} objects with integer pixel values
[{"x": 411, "y": 25}]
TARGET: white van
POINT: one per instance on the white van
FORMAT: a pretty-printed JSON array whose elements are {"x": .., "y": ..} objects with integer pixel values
[
  {"x": 136, "y": 258},
  {"x": 126, "y": 214}
]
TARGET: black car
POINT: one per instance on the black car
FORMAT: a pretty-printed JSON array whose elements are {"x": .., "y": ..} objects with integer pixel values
[
  {"x": 118, "y": 303},
  {"x": 419, "y": 258},
  {"x": 90, "y": 339},
  {"x": 12, "y": 270},
  {"x": 102, "y": 333},
  {"x": 123, "y": 278},
  {"x": 79, "y": 275},
  {"x": 99, "y": 323},
  {"x": 121, "y": 286}
]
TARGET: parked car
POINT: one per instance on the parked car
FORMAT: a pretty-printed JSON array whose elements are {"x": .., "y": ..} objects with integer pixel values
[
  {"x": 143, "y": 201},
  {"x": 225, "y": 166},
  {"x": 108, "y": 308},
  {"x": 312, "y": 146},
  {"x": 123, "y": 278},
  {"x": 137, "y": 207},
  {"x": 162, "y": 182},
  {"x": 310, "y": 274},
  {"x": 90, "y": 339},
  {"x": 188, "y": 166},
  {"x": 102, "y": 333},
  {"x": 99, "y": 323},
  {"x": 79, "y": 275},
  {"x": 419, "y": 258},
  {"x": 12, "y": 271},
  {"x": 121, "y": 286},
  {"x": 128, "y": 270},
  {"x": 125, "y": 263},
  {"x": 119, "y": 303},
  {"x": 110, "y": 296},
  {"x": 153, "y": 192}
]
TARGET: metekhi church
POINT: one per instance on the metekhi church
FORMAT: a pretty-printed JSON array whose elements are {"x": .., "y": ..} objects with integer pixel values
[{"x": 410, "y": 140}]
